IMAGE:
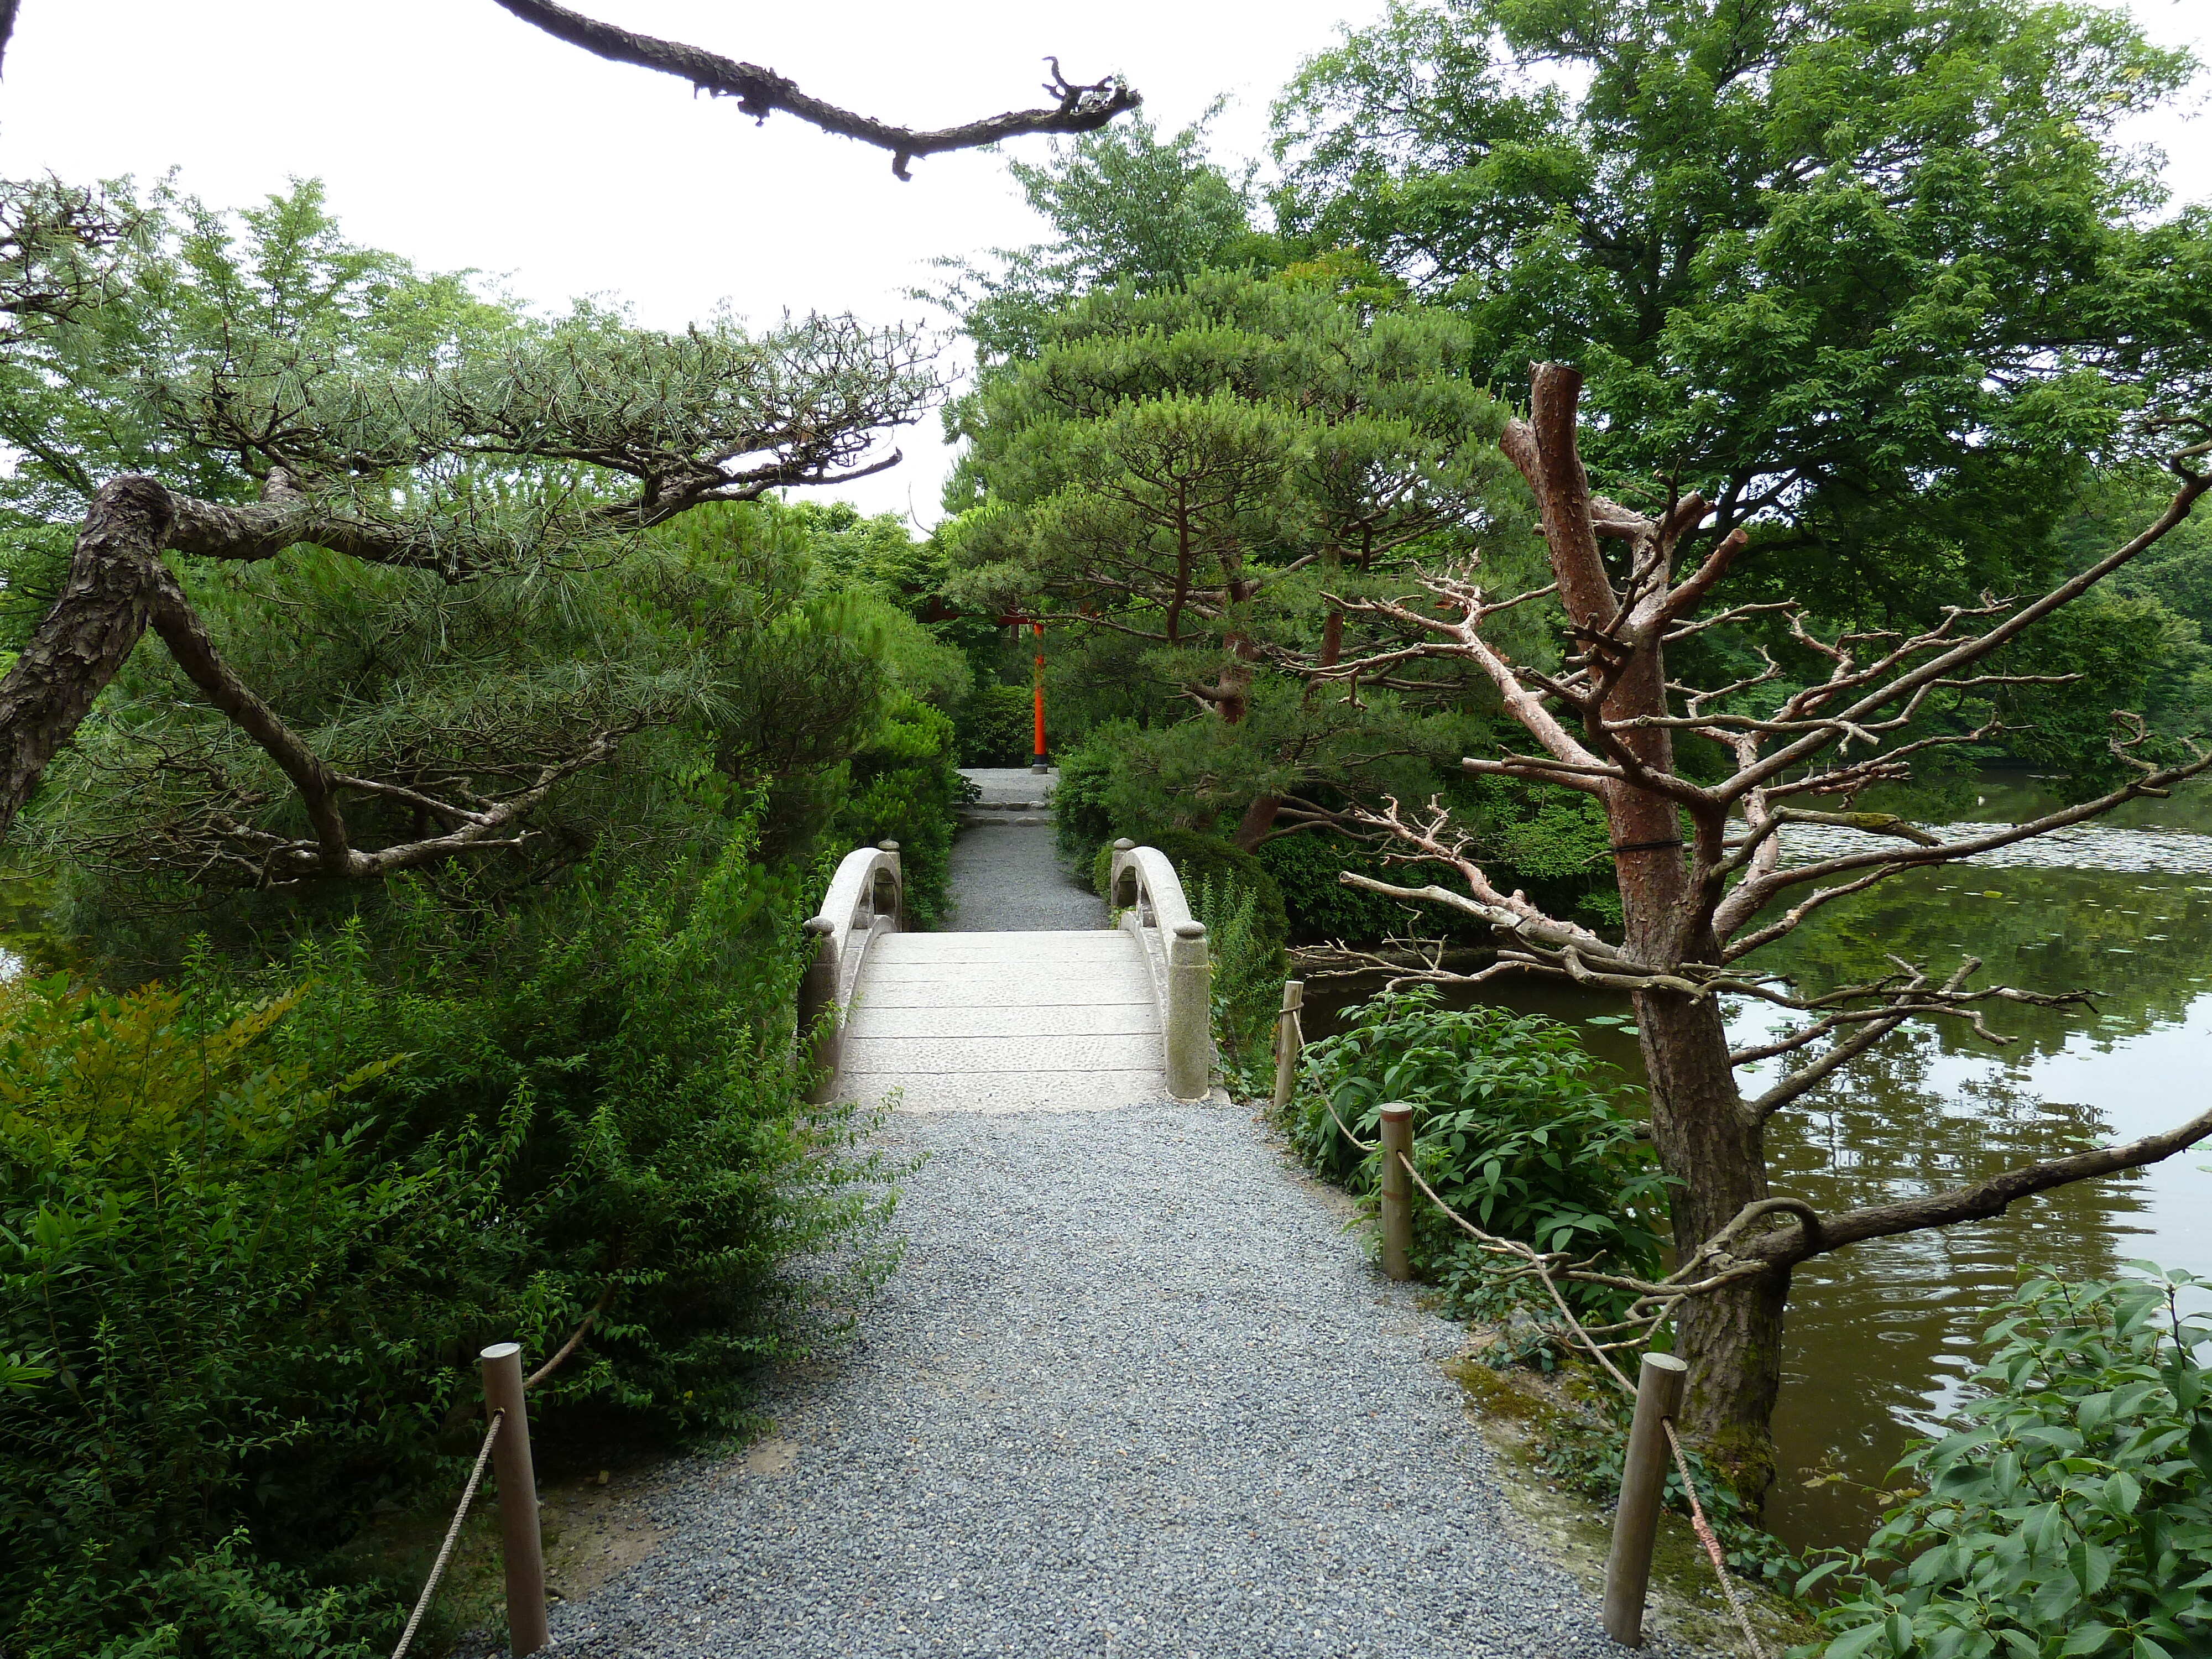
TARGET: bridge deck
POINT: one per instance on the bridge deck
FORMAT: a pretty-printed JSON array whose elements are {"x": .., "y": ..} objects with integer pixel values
[{"x": 1005, "y": 1021}]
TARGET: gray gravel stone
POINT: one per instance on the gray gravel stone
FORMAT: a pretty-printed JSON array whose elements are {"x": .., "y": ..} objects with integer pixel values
[
  {"x": 1135, "y": 1390},
  {"x": 1008, "y": 878}
]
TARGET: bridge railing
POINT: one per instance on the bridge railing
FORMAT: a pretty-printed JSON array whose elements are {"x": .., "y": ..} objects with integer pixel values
[
  {"x": 866, "y": 900},
  {"x": 1148, "y": 896}
]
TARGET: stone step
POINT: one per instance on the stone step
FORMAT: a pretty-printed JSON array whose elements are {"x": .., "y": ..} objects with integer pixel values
[
  {"x": 1012, "y": 1091},
  {"x": 872, "y": 1020}
]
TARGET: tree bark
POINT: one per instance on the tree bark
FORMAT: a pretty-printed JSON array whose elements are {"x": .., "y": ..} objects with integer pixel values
[
  {"x": 1705, "y": 1135},
  {"x": 1706, "y": 1138},
  {"x": 1259, "y": 818},
  {"x": 82, "y": 642}
]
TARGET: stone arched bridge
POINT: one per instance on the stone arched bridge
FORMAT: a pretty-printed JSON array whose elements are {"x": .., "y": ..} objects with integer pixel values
[{"x": 1010, "y": 1021}]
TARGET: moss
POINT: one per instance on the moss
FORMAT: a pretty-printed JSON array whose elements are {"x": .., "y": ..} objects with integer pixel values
[
  {"x": 1498, "y": 1393},
  {"x": 1524, "y": 1414},
  {"x": 1744, "y": 1457}
]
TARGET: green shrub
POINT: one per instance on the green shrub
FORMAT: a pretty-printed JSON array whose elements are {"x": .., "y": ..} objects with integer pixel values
[
  {"x": 1513, "y": 1126},
  {"x": 904, "y": 786},
  {"x": 1320, "y": 908},
  {"x": 2075, "y": 1515},
  {"x": 998, "y": 725},
  {"x": 194, "y": 1242},
  {"x": 250, "y": 1248},
  {"x": 1082, "y": 821},
  {"x": 1246, "y": 984}
]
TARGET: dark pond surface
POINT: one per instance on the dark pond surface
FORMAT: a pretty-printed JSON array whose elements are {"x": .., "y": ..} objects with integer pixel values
[{"x": 1882, "y": 1336}]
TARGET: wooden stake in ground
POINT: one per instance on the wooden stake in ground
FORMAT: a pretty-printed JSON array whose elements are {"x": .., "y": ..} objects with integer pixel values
[
  {"x": 519, "y": 1546},
  {"x": 1643, "y": 1481}
]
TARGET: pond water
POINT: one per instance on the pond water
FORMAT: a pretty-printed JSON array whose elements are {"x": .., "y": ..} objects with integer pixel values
[{"x": 1882, "y": 1336}]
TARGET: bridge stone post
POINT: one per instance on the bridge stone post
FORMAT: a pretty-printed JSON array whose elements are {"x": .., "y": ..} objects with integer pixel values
[
  {"x": 818, "y": 1002},
  {"x": 1189, "y": 1012}
]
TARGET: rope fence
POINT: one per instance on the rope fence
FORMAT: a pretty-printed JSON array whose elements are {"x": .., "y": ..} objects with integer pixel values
[
  {"x": 521, "y": 1545},
  {"x": 1628, "y": 1567},
  {"x": 1632, "y": 1563},
  {"x": 452, "y": 1536}
]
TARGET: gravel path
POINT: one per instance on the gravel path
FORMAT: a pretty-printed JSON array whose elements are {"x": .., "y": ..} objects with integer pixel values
[
  {"x": 1007, "y": 879},
  {"x": 1134, "y": 1391}
]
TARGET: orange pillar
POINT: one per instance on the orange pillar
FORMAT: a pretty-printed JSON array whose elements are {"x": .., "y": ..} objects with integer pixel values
[{"x": 1039, "y": 763}]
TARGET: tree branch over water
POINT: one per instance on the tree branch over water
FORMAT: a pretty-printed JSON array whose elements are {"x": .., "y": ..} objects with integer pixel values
[
  {"x": 1699, "y": 858},
  {"x": 1080, "y": 106}
]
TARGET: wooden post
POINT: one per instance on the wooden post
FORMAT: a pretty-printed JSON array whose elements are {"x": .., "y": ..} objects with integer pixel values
[
  {"x": 1635, "y": 1517},
  {"x": 1397, "y": 1190},
  {"x": 517, "y": 1501},
  {"x": 1040, "y": 764},
  {"x": 1288, "y": 1041},
  {"x": 818, "y": 1005}
]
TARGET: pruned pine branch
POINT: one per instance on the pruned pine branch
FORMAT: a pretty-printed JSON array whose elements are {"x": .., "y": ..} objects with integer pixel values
[
  {"x": 58, "y": 244},
  {"x": 1076, "y": 107},
  {"x": 384, "y": 468}
]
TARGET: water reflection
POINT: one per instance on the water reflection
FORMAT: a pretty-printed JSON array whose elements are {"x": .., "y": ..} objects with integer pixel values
[{"x": 1881, "y": 1335}]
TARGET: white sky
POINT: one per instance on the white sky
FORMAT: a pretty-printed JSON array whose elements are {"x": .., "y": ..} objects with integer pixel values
[{"x": 451, "y": 132}]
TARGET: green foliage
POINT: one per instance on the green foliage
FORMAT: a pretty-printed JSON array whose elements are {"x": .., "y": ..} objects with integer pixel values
[
  {"x": 1513, "y": 1126},
  {"x": 185, "y": 1215},
  {"x": 1247, "y": 981},
  {"x": 254, "y": 1245},
  {"x": 1320, "y": 908},
  {"x": 2074, "y": 1515},
  {"x": 481, "y": 604},
  {"x": 998, "y": 726},
  {"x": 1126, "y": 206},
  {"x": 1183, "y": 472},
  {"x": 1884, "y": 280},
  {"x": 1884, "y": 274},
  {"x": 1201, "y": 860},
  {"x": 1082, "y": 801}
]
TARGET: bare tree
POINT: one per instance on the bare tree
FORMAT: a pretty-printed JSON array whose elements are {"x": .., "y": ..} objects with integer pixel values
[
  {"x": 1702, "y": 879},
  {"x": 1076, "y": 106}
]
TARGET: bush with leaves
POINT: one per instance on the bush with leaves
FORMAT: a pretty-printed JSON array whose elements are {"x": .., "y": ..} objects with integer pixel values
[
  {"x": 250, "y": 1245},
  {"x": 1247, "y": 981},
  {"x": 998, "y": 726},
  {"x": 2073, "y": 1514},
  {"x": 1513, "y": 1124}
]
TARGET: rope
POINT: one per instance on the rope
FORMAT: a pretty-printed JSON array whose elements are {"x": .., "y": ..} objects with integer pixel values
[
  {"x": 1516, "y": 1248},
  {"x": 1697, "y": 1522},
  {"x": 453, "y": 1534},
  {"x": 1364, "y": 1146},
  {"x": 1712, "y": 1545}
]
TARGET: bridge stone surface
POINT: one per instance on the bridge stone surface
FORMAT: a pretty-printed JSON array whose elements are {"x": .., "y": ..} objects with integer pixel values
[{"x": 1027, "y": 1003}]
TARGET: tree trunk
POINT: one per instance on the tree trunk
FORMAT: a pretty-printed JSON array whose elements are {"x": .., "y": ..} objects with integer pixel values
[
  {"x": 81, "y": 643},
  {"x": 1717, "y": 1149},
  {"x": 1259, "y": 818}
]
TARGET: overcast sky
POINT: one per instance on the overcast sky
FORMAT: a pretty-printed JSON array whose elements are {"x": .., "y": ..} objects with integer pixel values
[{"x": 448, "y": 131}]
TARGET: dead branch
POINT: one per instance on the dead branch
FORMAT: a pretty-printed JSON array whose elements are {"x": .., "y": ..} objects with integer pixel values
[{"x": 1078, "y": 107}]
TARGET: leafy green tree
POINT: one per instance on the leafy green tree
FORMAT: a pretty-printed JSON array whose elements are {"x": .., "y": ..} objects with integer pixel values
[
  {"x": 1184, "y": 475},
  {"x": 1874, "y": 277},
  {"x": 1126, "y": 208},
  {"x": 334, "y": 448}
]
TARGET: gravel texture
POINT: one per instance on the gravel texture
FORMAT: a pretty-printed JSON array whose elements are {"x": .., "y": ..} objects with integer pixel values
[
  {"x": 1008, "y": 878},
  {"x": 1135, "y": 1390}
]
